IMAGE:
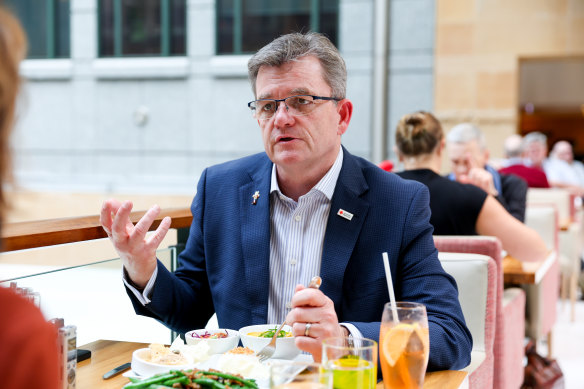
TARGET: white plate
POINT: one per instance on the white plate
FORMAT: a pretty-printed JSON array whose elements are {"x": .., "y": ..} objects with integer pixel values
[{"x": 211, "y": 363}]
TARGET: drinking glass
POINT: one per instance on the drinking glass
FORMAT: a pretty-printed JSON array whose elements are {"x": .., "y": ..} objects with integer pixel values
[
  {"x": 353, "y": 362},
  {"x": 404, "y": 345},
  {"x": 299, "y": 375}
]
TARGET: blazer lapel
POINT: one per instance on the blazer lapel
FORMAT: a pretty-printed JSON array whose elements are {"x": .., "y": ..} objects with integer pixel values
[
  {"x": 341, "y": 233},
  {"x": 255, "y": 239}
]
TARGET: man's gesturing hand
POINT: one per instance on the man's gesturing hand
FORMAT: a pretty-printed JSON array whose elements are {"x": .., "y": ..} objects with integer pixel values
[{"x": 138, "y": 252}]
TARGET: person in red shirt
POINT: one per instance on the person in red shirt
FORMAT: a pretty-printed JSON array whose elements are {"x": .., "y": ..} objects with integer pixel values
[
  {"x": 514, "y": 150},
  {"x": 28, "y": 344}
]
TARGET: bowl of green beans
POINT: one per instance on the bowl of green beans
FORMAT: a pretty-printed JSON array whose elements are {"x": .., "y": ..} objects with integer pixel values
[{"x": 258, "y": 336}]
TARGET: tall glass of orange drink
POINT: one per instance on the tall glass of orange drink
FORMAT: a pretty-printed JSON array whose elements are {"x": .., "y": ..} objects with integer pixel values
[{"x": 404, "y": 345}]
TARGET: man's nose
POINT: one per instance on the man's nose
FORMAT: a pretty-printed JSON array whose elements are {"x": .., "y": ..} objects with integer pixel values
[
  {"x": 282, "y": 115},
  {"x": 460, "y": 168}
]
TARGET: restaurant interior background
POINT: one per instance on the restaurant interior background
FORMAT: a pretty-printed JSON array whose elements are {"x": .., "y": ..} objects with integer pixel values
[{"x": 132, "y": 99}]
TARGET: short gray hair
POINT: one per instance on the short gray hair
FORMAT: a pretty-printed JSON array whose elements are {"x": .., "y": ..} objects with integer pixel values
[
  {"x": 465, "y": 133},
  {"x": 513, "y": 146},
  {"x": 293, "y": 46},
  {"x": 536, "y": 137}
]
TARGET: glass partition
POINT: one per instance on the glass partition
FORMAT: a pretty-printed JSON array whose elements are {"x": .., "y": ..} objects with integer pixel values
[{"x": 93, "y": 298}]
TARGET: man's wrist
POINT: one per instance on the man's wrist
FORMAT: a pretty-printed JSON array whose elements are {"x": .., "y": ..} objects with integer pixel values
[{"x": 131, "y": 282}]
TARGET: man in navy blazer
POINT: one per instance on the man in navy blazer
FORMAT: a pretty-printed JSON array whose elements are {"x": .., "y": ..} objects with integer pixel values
[{"x": 235, "y": 239}]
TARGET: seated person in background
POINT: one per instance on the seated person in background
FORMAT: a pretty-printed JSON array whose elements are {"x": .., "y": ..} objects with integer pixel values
[
  {"x": 468, "y": 155},
  {"x": 28, "y": 344},
  {"x": 457, "y": 208},
  {"x": 268, "y": 222},
  {"x": 513, "y": 149},
  {"x": 558, "y": 172},
  {"x": 563, "y": 151}
]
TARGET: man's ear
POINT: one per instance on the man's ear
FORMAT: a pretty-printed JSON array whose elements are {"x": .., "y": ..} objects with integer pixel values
[{"x": 345, "y": 110}]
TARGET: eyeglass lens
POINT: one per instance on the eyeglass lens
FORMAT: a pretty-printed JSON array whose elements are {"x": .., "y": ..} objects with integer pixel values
[{"x": 295, "y": 105}]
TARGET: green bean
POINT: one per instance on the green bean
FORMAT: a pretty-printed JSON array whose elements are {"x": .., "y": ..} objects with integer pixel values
[
  {"x": 149, "y": 381},
  {"x": 247, "y": 383},
  {"x": 207, "y": 382},
  {"x": 181, "y": 380},
  {"x": 158, "y": 386}
]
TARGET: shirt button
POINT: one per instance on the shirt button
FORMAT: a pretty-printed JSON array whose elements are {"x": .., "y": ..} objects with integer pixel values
[
  {"x": 293, "y": 261},
  {"x": 297, "y": 218},
  {"x": 288, "y": 305}
]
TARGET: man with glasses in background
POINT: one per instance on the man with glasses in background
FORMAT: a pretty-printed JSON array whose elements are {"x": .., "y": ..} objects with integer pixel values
[{"x": 265, "y": 224}]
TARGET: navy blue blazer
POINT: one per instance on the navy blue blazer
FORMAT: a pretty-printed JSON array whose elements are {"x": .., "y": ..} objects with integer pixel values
[{"x": 224, "y": 267}]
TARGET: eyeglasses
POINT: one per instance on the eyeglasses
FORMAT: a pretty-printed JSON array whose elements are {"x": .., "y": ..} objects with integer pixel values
[{"x": 299, "y": 105}]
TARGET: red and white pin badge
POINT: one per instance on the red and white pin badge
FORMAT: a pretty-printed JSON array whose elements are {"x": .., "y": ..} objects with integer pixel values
[{"x": 345, "y": 214}]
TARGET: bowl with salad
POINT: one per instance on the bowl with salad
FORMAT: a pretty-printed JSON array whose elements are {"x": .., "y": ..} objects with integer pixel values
[
  {"x": 258, "y": 336},
  {"x": 219, "y": 340}
]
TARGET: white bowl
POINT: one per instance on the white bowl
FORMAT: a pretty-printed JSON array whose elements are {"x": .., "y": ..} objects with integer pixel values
[
  {"x": 216, "y": 346},
  {"x": 285, "y": 347},
  {"x": 144, "y": 368}
]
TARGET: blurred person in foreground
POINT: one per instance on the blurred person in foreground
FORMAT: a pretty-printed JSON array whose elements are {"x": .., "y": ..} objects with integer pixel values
[
  {"x": 513, "y": 150},
  {"x": 558, "y": 172},
  {"x": 457, "y": 208},
  {"x": 468, "y": 154},
  {"x": 265, "y": 224},
  {"x": 28, "y": 344}
]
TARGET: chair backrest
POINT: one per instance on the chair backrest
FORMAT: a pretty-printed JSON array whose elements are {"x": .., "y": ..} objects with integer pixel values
[
  {"x": 475, "y": 276},
  {"x": 485, "y": 245},
  {"x": 543, "y": 218},
  {"x": 561, "y": 198},
  {"x": 476, "y": 244},
  {"x": 508, "y": 353}
]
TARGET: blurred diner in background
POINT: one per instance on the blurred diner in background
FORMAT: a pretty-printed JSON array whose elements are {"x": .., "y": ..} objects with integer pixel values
[
  {"x": 469, "y": 156},
  {"x": 459, "y": 208}
]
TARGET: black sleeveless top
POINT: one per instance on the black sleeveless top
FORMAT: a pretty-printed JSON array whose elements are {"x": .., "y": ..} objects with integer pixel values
[{"x": 455, "y": 206}]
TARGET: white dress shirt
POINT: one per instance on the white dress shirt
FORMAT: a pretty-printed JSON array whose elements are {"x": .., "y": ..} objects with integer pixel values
[{"x": 296, "y": 238}]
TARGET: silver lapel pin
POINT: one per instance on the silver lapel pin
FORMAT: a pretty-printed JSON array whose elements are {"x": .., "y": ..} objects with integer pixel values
[{"x": 255, "y": 196}]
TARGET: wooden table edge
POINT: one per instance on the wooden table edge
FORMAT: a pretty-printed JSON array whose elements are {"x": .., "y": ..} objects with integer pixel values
[{"x": 107, "y": 354}]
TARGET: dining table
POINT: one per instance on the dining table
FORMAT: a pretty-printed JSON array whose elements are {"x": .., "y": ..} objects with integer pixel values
[
  {"x": 108, "y": 354},
  {"x": 517, "y": 272}
]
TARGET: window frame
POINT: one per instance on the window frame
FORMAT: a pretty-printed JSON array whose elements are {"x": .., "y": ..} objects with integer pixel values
[
  {"x": 237, "y": 33},
  {"x": 50, "y": 31},
  {"x": 165, "y": 31}
]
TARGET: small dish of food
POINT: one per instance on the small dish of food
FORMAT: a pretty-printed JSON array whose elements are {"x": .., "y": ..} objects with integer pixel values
[
  {"x": 158, "y": 359},
  {"x": 258, "y": 336},
  {"x": 219, "y": 340},
  {"x": 242, "y": 361}
]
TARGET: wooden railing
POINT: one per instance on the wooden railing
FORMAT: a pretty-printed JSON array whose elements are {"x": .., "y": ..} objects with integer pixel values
[{"x": 42, "y": 233}]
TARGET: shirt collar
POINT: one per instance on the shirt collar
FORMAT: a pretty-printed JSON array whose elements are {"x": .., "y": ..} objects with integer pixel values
[{"x": 327, "y": 183}]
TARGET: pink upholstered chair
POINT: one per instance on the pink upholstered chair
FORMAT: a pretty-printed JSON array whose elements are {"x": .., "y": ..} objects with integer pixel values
[
  {"x": 508, "y": 345},
  {"x": 476, "y": 277}
]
